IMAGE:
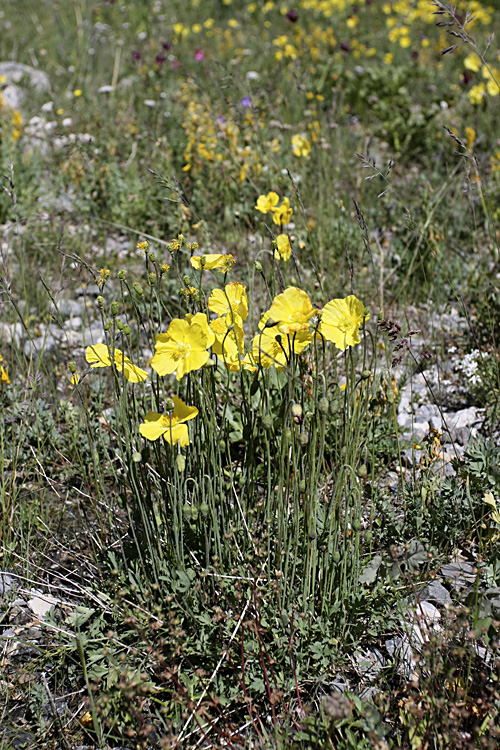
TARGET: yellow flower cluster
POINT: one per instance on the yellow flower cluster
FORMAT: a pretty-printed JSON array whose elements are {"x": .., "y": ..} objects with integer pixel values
[
  {"x": 269, "y": 203},
  {"x": 290, "y": 325}
]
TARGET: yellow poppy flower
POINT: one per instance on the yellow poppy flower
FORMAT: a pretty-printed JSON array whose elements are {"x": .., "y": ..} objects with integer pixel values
[
  {"x": 284, "y": 251},
  {"x": 300, "y": 145},
  {"x": 228, "y": 344},
  {"x": 171, "y": 426},
  {"x": 216, "y": 261},
  {"x": 282, "y": 213},
  {"x": 232, "y": 301},
  {"x": 341, "y": 320},
  {"x": 272, "y": 347},
  {"x": 183, "y": 347},
  {"x": 266, "y": 203},
  {"x": 99, "y": 355},
  {"x": 292, "y": 310}
]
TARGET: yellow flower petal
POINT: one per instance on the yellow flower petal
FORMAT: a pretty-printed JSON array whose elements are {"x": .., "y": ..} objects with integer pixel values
[
  {"x": 292, "y": 310},
  {"x": 341, "y": 320}
]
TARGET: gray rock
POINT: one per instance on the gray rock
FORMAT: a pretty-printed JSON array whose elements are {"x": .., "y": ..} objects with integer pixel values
[
  {"x": 8, "y": 584},
  {"x": 436, "y": 592},
  {"x": 19, "y": 81},
  {"x": 20, "y": 74},
  {"x": 401, "y": 650},
  {"x": 460, "y": 573},
  {"x": 412, "y": 457},
  {"x": 426, "y": 412},
  {"x": 462, "y": 435},
  {"x": 420, "y": 429},
  {"x": 466, "y": 418}
]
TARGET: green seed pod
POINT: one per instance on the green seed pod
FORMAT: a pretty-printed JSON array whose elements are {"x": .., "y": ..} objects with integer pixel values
[
  {"x": 423, "y": 494},
  {"x": 136, "y": 457},
  {"x": 296, "y": 410},
  {"x": 302, "y": 485},
  {"x": 119, "y": 324},
  {"x": 137, "y": 289},
  {"x": 100, "y": 301},
  {"x": 152, "y": 257},
  {"x": 336, "y": 557},
  {"x": 362, "y": 471},
  {"x": 204, "y": 509},
  {"x": 368, "y": 536},
  {"x": 126, "y": 330},
  {"x": 181, "y": 463},
  {"x": 267, "y": 422},
  {"x": 122, "y": 274},
  {"x": 255, "y": 385},
  {"x": 258, "y": 266},
  {"x": 72, "y": 367},
  {"x": 390, "y": 396},
  {"x": 356, "y": 524},
  {"x": 186, "y": 509},
  {"x": 303, "y": 439},
  {"x": 169, "y": 404},
  {"x": 186, "y": 280},
  {"x": 152, "y": 279},
  {"x": 366, "y": 374},
  {"x": 114, "y": 309},
  {"x": 107, "y": 325},
  {"x": 194, "y": 513},
  {"x": 323, "y": 405}
]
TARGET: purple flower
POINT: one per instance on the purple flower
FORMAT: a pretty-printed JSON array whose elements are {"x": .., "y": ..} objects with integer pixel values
[
  {"x": 246, "y": 101},
  {"x": 166, "y": 45},
  {"x": 199, "y": 56},
  {"x": 160, "y": 58},
  {"x": 136, "y": 55}
]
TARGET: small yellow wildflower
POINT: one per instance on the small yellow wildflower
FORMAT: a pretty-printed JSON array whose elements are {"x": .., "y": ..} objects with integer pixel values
[
  {"x": 292, "y": 310},
  {"x": 284, "y": 251},
  {"x": 143, "y": 246},
  {"x": 300, "y": 145},
  {"x": 341, "y": 320},
  {"x": 477, "y": 93},
  {"x": 104, "y": 275},
  {"x": 171, "y": 426},
  {"x": 182, "y": 349},
  {"x": 232, "y": 301},
  {"x": 228, "y": 344},
  {"x": 272, "y": 347},
  {"x": 282, "y": 213},
  {"x": 4, "y": 373},
  {"x": 473, "y": 62},
  {"x": 99, "y": 355},
  {"x": 266, "y": 203},
  {"x": 77, "y": 92},
  {"x": 217, "y": 261}
]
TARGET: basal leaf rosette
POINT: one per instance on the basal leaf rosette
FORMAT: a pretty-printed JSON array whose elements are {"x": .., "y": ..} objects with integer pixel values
[
  {"x": 184, "y": 347},
  {"x": 171, "y": 426},
  {"x": 341, "y": 320},
  {"x": 99, "y": 355}
]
